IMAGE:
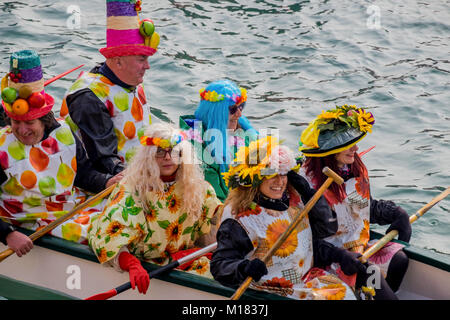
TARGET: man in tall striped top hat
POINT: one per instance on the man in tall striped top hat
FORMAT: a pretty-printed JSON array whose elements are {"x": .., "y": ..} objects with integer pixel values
[{"x": 106, "y": 106}]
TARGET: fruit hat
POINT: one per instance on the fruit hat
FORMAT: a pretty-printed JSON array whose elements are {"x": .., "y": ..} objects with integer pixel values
[
  {"x": 335, "y": 130},
  {"x": 126, "y": 35},
  {"x": 262, "y": 159},
  {"x": 23, "y": 95}
]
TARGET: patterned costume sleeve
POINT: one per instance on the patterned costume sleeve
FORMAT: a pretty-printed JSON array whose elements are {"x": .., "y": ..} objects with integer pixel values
[
  {"x": 208, "y": 209},
  {"x": 120, "y": 224}
]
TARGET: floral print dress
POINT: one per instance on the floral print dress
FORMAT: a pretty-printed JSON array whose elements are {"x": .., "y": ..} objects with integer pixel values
[{"x": 151, "y": 235}]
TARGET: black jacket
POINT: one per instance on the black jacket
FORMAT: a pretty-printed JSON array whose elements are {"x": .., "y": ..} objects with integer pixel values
[{"x": 96, "y": 126}]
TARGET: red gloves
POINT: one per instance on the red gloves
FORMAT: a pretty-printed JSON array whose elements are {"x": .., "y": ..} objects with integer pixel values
[{"x": 138, "y": 275}]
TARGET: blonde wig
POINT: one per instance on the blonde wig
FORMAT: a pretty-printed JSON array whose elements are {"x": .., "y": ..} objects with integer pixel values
[{"x": 143, "y": 172}]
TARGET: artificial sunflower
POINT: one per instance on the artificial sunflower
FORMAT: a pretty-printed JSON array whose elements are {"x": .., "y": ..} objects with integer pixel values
[
  {"x": 329, "y": 115},
  {"x": 114, "y": 228},
  {"x": 365, "y": 121},
  {"x": 274, "y": 231}
]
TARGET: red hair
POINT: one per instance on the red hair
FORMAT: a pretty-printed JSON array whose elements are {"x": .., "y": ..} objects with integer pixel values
[{"x": 335, "y": 193}]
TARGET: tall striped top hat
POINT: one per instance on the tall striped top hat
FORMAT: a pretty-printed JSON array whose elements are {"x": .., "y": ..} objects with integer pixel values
[
  {"x": 23, "y": 94},
  {"x": 126, "y": 34}
]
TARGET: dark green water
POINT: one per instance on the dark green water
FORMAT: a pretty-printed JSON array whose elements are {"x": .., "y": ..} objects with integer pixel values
[{"x": 295, "y": 58}]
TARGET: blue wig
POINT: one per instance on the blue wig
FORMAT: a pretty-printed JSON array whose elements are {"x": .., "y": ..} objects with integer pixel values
[{"x": 214, "y": 115}]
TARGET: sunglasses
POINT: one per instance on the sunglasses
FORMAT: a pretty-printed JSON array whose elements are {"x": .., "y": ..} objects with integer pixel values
[
  {"x": 161, "y": 153},
  {"x": 233, "y": 109}
]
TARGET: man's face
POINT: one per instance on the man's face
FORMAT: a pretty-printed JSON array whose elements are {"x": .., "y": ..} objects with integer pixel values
[{"x": 131, "y": 69}]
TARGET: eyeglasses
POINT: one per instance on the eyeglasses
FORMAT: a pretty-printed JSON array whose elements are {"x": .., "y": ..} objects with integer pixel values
[
  {"x": 161, "y": 153},
  {"x": 233, "y": 109}
]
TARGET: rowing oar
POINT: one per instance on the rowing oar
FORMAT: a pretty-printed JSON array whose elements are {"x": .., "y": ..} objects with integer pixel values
[
  {"x": 111, "y": 293},
  {"x": 52, "y": 225},
  {"x": 392, "y": 234},
  {"x": 46, "y": 83},
  {"x": 332, "y": 176}
]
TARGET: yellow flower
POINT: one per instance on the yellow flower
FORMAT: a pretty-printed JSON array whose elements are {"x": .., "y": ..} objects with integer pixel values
[
  {"x": 114, "y": 228},
  {"x": 173, "y": 204},
  {"x": 330, "y": 114},
  {"x": 173, "y": 231},
  {"x": 274, "y": 231},
  {"x": 364, "y": 119}
]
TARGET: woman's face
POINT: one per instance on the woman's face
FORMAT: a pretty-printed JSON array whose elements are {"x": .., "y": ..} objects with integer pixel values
[
  {"x": 235, "y": 112},
  {"x": 167, "y": 166},
  {"x": 346, "y": 156},
  {"x": 274, "y": 187},
  {"x": 28, "y": 132}
]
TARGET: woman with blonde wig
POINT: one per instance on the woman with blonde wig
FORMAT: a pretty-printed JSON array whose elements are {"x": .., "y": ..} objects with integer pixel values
[
  {"x": 259, "y": 208},
  {"x": 161, "y": 206}
]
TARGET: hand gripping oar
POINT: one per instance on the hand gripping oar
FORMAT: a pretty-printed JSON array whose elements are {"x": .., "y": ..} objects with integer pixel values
[
  {"x": 113, "y": 292},
  {"x": 46, "y": 83},
  {"x": 392, "y": 234},
  {"x": 52, "y": 225},
  {"x": 332, "y": 176}
]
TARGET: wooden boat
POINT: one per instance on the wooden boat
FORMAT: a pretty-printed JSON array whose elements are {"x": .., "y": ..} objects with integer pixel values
[{"x": 49, "y": 271}]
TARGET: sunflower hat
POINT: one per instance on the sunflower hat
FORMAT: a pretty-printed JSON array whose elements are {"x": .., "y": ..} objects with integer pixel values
[
  {"x": 335, "y": 130},
  {"x": 262, "y": 159}
]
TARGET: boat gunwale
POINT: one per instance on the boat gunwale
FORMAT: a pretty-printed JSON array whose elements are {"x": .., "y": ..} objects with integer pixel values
[{"x": 82, "y": 251}]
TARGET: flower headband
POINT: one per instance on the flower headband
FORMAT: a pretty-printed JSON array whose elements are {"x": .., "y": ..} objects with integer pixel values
[
  {"x": 213, "y": 96},
  {"x": 162, "y": 143},
  {"x": 266, "y": 153}
]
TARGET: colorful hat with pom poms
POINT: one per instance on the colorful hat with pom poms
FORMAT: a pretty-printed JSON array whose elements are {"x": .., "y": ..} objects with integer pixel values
[
  {"x": 126, "y": 34},
  {"x": 22, "y": 89},
  {"x": 335, "y": 130}
]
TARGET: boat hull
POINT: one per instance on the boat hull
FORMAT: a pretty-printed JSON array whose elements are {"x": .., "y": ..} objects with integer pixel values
[{"x": 56, "y": 266}]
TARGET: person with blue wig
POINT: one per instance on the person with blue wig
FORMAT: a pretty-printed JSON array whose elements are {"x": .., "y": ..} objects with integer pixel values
[{"x": 217, "y": 129}]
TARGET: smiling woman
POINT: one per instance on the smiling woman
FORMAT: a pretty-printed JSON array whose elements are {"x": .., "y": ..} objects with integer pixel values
[{"x": 260, "y": 207}]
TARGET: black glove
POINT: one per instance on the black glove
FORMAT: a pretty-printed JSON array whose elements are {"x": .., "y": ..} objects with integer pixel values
[
  {"x": 402, "y": 225},
  {"x": 255, "y": 268},
  {"x": 348, "y": 261}
]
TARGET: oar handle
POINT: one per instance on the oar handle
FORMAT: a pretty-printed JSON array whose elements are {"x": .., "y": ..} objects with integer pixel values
[
  {"x": 332, "y": 176},
  {"x": 126, "y": 286},
  {"x": 52, "y": 225},
  {"x": 392, "y": 234}
]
